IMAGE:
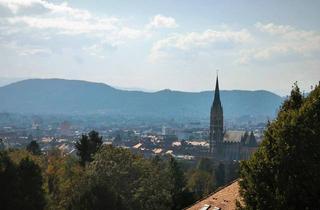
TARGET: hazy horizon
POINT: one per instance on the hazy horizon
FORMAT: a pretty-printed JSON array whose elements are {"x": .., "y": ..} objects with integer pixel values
[{"x": 8, "y": 81}]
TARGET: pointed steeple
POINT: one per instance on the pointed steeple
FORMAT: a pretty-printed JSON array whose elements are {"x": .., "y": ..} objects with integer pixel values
[{"x": 217, "y": 93}]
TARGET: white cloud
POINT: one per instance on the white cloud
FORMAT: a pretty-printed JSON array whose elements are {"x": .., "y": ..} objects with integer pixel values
[
  {"x": 16, "y": 5},
  {"x": 285, "y": 41},
  {"x": 197, "y": 41},
  {"x": 274, "y": 29},
  {"x": 25, "y": 50},
  {"x": 63, "y": 20},
  {"x": 160, "y": 21},
  {"x": 65, "y": 25}
]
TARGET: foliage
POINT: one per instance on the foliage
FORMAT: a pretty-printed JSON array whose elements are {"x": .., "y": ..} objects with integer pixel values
[
  {"x": 30, "y": 193},
  {"x": 34, "y": 148},
  {"x": 114, "y": 179},
  {"x": 21, "y": 184},
  {"x": 201, "y": 180},
  {"x": 180, "y": 195},
  {"x": 124, "y": 180},
  {"x": 205, "y": 164},
  {"x": 220, "y": 175},
  {"x": 87, "y": 146},
  {"x": 232, "y": 171},
  {"x": 61, "y": 174},
  {"x": 94, "y": 195},
  {"x": 285, "y": 172},
  {"x": 2, "y": 146},
  {"x": 201, "y": 183}
]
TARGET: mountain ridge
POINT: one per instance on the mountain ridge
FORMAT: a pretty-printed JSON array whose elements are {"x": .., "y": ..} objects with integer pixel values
[{"x": 55, "y": 95}]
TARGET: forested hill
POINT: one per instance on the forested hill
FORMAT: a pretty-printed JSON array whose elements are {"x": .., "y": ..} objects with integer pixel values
[{"x": 52, "y": 96}]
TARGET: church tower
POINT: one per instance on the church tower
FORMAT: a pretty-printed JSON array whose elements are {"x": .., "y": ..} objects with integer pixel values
[{"x": 216, "y": 124}]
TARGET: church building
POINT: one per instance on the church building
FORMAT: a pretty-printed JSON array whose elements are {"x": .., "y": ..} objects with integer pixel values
[{"x": 227, "y": 145}]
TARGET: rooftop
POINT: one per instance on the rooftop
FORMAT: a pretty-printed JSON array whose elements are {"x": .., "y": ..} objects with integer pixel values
[{"x": 224, "y": 199}]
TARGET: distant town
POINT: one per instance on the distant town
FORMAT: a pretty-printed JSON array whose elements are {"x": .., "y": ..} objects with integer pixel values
[{"x": 186, "y": 140}]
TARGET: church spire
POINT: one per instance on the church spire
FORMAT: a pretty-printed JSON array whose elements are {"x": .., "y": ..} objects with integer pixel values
[
  {"x": 217, "y": 92},
  {"x": 216, "y": 123}
]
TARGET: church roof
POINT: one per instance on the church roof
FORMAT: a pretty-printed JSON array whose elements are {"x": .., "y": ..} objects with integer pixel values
[{"x": 233, "y": 136}]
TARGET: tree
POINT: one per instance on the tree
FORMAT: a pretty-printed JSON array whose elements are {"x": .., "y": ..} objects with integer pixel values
[
  {"x": 220, "y": 175},
  {"x": 2, "y": 146},
  {"x": 87, "y": 146},
  {"x": 62, "y": 175},
  {"x": 7, "y": 182},
  {"x": 201, "y": 179},
  {"x": 118, "y": 179},
  {"x": 180, "y": 195},
  {"x": 285, "y": 172},
  {"x": 244, "y": 138},
  {"x": 251, "y": 141},
  {"x": 232, "y": 172},
  {"x": 95, "y": 195},
  {"x": 83, "y": 150},
  {"x": 95, "y": 141},
  {"x": 21, "y": 185},
  {"x": 205, "y": 164},
  {"x": 34, "y": 148},
  {"x": 201, "y": 183},
  {"x": 30, "y": 192}
]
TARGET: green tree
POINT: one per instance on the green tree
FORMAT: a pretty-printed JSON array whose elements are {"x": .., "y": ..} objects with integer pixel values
[
  {"x": 205, "y": 164},
  {"x": 285, "y": 172},
  {"x": 232, "y": 172},
  {"x": 124, "y": 180},
  {"x": 201, "y": 183},
  {"x": 34, "y": 148},
  {"x": 251, "y": 141},
  {"x": 30, "y": 192},
  {"x": 7, "y": 182},
  {"x": 95, "y": 195},
  {"x": 83, "y": 150},
  {"x": 2, "y": 146},
  {"x": 87, "y": 146},
  {"x": 61, "y": 176},
  {"x": 21, "y": 185},
  {"x": 220, "y": 175},
  {"x": 180, "y": 195}
]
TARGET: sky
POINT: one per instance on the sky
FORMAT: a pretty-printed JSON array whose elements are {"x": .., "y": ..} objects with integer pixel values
[{"x": 167, "y": 44}]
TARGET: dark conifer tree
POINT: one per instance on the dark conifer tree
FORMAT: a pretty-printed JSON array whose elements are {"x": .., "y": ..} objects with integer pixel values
[
  {"x": 34, "y": 148},
  {"x": 87, "y": 146}
]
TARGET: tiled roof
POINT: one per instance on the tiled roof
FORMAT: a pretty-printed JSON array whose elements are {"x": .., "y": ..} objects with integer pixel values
[{"x": 224, "y": 199}]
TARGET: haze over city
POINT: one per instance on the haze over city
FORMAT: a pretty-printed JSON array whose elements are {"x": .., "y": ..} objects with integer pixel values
[{"x": 154, "y": 45}]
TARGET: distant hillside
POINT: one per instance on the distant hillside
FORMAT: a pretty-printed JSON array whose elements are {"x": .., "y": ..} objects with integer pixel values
[{"x": 52, "y": 96}]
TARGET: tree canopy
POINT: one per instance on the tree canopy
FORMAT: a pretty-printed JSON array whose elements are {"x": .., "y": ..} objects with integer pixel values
[
  {"x": 34, "y": 148},
  {"x": 87, "y": 146},
  {"x": 285, "y": 172},
  {"x": 21, "y": 184}
]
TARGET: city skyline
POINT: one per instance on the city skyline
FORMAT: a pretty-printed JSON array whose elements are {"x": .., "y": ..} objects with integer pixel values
[{"x": 163, "y": 45}]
